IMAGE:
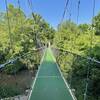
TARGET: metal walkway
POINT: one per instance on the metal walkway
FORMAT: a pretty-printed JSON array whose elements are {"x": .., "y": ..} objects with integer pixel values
[{"x": 49, "y": 83}]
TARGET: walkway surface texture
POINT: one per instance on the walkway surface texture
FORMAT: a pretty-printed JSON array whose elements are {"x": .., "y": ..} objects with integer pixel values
[{"x": 49, "y": 83}]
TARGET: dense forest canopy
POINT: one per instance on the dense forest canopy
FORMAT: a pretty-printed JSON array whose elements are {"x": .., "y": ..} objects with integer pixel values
[
  {"x": 23, "y": 34},
  {"x": 84, "y": 40}
]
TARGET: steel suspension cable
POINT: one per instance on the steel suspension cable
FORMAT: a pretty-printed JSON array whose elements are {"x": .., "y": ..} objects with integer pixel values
[
  {"x": 73, "y": 43},
  {"x": 91, "y": 40},
  {"x": 71, "y": 71},
  {"x": 78, "y": 9},
  {"x": 9, "y": 27},
  {"x": 70, "y": 20},
  {"x": 92, "y": 33},
  {"x": 19, "y": 5},
  {"x": 30, "y": 5},
  {"x": 31, "y": 8},
  {"x": 65, "y": 9},
  {"x": 70, "y": 13},
  {"x": 75, "y": 54},
  {"x": 36, "y": 34},
  {"x": 77, "y": 16}
]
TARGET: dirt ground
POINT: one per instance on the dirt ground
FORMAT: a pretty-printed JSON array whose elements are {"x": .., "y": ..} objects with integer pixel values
[{"x": 23, "y": 80}]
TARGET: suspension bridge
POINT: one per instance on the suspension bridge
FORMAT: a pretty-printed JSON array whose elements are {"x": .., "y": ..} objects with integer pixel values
[{"x": 49, "y": 82}]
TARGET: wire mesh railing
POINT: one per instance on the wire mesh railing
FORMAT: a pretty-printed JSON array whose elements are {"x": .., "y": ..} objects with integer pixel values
[
  {"x": 81, "y": 73},
  {"x": 17, "y": 74}
]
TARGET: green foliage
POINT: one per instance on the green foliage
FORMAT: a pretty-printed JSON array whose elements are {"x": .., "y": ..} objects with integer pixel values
[
  {"x": 6, "y": 91},
  {"x": 14, "y": 67},
  {"x": 29, "y": 33},
  {"x": 84, "y": 28},
  {"x": 96, "y": 24},
  {"x": 82, "y": 40},
  {"x": 66, "y": 34},
  {"x": 26, "y": 33}
]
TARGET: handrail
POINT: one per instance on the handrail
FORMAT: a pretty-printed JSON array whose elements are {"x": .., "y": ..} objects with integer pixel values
[
  {"x": 88, "y": 58},
  {"x": 14, "y": 59}
]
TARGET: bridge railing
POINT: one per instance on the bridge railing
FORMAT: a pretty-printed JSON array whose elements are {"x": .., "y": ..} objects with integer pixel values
[
  {"x": 16, "y": 75},
  {"x": 81, "y": 73}
]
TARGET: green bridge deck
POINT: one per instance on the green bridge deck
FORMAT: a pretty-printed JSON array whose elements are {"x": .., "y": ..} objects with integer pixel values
[{"x": 49, "y": 83}]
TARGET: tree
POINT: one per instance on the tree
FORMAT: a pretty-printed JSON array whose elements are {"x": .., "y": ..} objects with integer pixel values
[
  {"x": 81, "y": 40},
  {"x": 24, "y": 33},
  {"x": 84, "y": 28},
  {"x": 96, "y": 24}
]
